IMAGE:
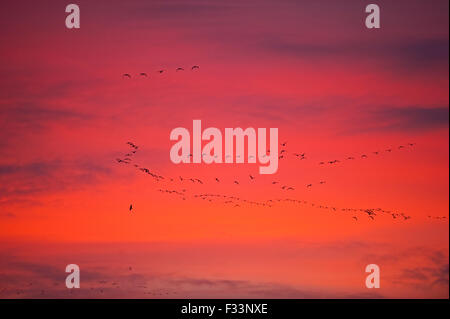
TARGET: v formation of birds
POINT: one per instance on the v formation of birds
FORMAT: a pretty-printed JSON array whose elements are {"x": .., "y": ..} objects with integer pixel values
[{"x": 236, "y": 201}]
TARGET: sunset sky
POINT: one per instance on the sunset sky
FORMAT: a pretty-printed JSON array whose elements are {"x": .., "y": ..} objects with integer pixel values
[{"x": 332, "y": 87}]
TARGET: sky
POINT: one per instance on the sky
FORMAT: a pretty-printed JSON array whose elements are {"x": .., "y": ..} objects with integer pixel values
[{"x": 332, "y": 87}]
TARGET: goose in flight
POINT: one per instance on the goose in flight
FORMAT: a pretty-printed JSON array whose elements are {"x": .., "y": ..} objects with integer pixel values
[
  {"x": 143, "y": 74},
  {"x": 195, "y": 67},
  {"x": 126, "y": 75},
  {"x": 179, "y": 69},
  {"x": 131, "y": 207},
  {"x": 160, "y": 71}
]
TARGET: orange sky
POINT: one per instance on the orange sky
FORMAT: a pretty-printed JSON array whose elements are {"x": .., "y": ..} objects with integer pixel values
[{"x": 333, "y": 89}]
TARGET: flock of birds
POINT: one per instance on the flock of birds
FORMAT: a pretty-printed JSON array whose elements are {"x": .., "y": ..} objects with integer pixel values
[
  {"x": 236, "y": 201},
  {"x": 127, "y": 159},
  {"x": 365, "y": 156},
  {"x": 302, "y": 156},
  {"x": 105, "y": 286},
  {"x": 161, "y": 71}
]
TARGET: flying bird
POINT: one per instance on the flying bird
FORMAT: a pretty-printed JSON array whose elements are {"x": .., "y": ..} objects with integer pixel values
[
  {"x": 195, "y": 67},
  {"x": 179, "y": 69},
  {"x": 143, "y": 74},
  {"x": 126, "y": 75},
  {"x": 131, "y": 207}
]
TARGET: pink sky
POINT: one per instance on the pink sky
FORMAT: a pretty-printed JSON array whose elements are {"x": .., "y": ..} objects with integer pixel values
[{"x": 333, "y": 89}]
